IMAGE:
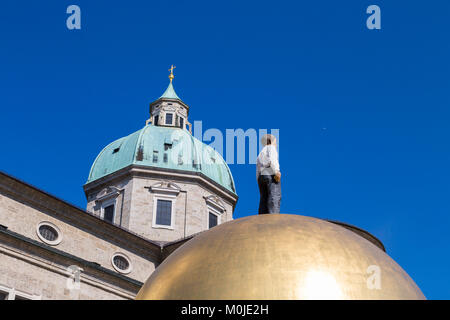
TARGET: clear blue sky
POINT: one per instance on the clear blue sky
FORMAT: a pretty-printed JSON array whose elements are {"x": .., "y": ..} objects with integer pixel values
[{"x": 363, "y": 115}]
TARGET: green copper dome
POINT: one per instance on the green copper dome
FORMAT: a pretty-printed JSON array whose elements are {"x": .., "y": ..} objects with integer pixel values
[{"x": 163, "y": 147}]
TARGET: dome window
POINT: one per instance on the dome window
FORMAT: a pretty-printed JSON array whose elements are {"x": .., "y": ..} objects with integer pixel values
[
  {"x": 49, "y": 233},
  {"x": 169, "y": 118},
  {"x": 116, "y": 150},
  {"x": 108, "y": 213},
  {"x": 121, "y": 263},
  {"x": 212, "y": 220},
  {"x": 163, "y": 211},
  {"x": 215, "y": 209}
]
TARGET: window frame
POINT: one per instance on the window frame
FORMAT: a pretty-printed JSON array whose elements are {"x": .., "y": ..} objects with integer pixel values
[
  {"x": 165, "y": 119},
  {"x": 210, "y": 212},
  {"x": 214, "y": 205},
  {"x": 120, "y": 254},
  {"x": 215, "y": 212},
  {"x": 105, "y": 204},
  {"x": 170, "y": 198},
  {"x": 51, "y": 225}
]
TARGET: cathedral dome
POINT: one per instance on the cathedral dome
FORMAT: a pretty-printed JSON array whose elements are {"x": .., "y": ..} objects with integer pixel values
[
  {"x": 165, "y": 148},
  {"x": 279, "y": 256}
]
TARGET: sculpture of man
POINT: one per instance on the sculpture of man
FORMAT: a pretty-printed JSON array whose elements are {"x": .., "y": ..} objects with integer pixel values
[{"x": 268, "y": 176}]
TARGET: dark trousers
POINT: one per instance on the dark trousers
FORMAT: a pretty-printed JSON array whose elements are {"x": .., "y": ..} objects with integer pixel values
[{"x": 270, "y": 194}]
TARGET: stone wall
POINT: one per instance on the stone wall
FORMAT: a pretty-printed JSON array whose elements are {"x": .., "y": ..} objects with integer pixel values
[
  {"x": 23, "y": 207},
  {"x": 34, "y": 268},
  {"x": 190, "y": 216},
  {"x": 35, "y": 272},
  {"x": 190, "y": 210}
]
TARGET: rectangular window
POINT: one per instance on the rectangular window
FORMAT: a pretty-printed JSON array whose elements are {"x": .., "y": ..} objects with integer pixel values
[
  {"x": 212, "y": 220},
  {"x": 156, "y": 120},
  {"x": 108, "y": 213},
  {"x": 165, "y": 158},
  {"x": 169, "y": 118},
  {"x": 181, "y": 123},
  {"x": 3, "y": 295},
  {"x": 164, "y": 212},
  {"x": 155, "y": 156}
]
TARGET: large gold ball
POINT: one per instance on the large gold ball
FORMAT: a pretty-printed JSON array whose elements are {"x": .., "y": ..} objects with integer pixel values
[{"x": 279, "y": 256}]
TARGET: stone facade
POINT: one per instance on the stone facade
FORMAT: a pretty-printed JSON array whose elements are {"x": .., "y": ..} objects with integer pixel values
[
  {"x": 135, "y": 191},
  {"x": 32, "y": 269}
]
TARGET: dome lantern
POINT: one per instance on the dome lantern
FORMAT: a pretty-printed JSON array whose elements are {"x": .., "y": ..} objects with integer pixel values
[{"x": 169, "y": 110}]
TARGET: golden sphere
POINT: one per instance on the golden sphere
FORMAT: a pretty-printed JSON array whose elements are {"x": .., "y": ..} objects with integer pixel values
[{"x": 279, "y": 256}]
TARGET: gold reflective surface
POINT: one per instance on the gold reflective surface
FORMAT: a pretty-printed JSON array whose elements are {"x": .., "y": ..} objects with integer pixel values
[{"x": 279, "y": 256}]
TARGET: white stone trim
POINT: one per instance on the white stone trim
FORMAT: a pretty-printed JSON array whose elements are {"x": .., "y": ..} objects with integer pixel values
[
  {"x": 52, "y": 225},
  {"x": 105, "y": 195},
  {"x": 123, "y": 255},
  {"x": 140, "y": 172},
  {"x": 171, "y": 198},
  {"x": 166, "y": 191},
  {"x": 215, "y": 202}
]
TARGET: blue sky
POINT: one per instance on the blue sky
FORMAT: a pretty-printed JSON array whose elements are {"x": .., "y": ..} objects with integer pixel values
[{"x": 363, "y": 114}]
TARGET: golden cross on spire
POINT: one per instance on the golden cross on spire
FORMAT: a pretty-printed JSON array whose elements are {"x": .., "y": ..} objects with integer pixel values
[{"x": 171, "y": 76}]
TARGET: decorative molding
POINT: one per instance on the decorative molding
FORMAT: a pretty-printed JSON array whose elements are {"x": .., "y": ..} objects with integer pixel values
[
  {"x": 170, "y": 109},
  {"x": 108, "y": 193},
  {"x": 165, "y": 188},
  {"x": 215, "y": 202},
  {"x": 134, "y": 170}
]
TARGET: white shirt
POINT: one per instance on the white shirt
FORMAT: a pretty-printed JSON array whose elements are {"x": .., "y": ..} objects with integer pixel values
[{"x": 267, "y": 161}]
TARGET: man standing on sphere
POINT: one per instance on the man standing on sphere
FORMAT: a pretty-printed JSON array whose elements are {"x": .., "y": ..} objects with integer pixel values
[{"x": 268, "y": 175}]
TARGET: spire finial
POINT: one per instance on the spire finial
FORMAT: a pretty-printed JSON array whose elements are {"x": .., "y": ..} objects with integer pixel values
[{"x": 171, "y": 76}]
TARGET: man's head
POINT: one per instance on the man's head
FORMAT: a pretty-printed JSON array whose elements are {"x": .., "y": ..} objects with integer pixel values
[{"x": 268, "y": 139}]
